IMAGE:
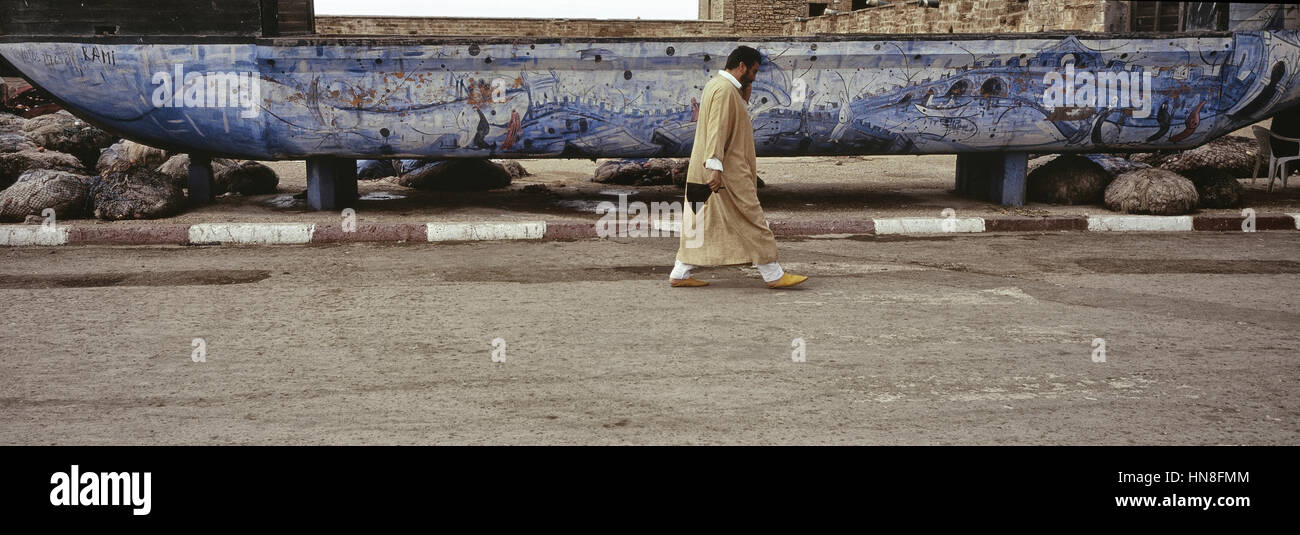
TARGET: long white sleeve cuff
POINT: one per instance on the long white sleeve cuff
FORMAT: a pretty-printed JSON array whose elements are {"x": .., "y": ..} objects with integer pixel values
[{"x": 713, "y": 163}]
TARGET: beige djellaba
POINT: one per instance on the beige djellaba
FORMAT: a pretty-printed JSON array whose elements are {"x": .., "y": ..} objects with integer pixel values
[{"x": 731, "y": 227}]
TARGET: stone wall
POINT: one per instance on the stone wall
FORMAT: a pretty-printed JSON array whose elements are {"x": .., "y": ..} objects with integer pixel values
[
  {"x": 762, "y": 17},
  {"x": 442, "y": 26},
  {"x": 961, "y": 16},
  {"x": 718, "y": 17},
  {"x": 711, "y": 9},
  {"x": 784, "y": 17}
]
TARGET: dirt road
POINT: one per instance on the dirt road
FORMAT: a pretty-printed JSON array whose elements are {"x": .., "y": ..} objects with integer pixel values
[{"x": 945, "y": 340}]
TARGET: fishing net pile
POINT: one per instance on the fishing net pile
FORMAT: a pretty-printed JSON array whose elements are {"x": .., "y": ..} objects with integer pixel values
[{"x": 642, "y": 171}]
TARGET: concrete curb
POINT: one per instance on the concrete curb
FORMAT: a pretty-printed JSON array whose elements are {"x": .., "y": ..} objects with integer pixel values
[
  {"x": 527, "y": 230},
  {"x": 1234, "y": 223},
  {"x": 928, "y": 225},
  {"x": 442, "y": 232},
  {"x": 251, "y": 233},
  {"x": 372, "y": 232},
  {"x": 1140, "y": 223},
  {"x": 804, "y": 227},
  {"x": 19, "y": 235},
  {"x": 133, "y": 235},
  {"x": 1013, "y": 223}
]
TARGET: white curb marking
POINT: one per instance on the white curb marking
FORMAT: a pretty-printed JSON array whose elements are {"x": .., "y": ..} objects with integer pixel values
[
  {"x": 928, "y": 225},
  {"x": 252, "y": 233},
  {"x": 1296, "y": 217},
  {"x": 1139, "y": 223},
  {"x": 528, "y": 230},
  {"x": 32, "y": 235},
  {"x": 665, "y": 226}
]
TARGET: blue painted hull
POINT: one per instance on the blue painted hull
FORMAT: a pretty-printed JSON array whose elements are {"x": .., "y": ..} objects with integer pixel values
[{"x": 619, "y": 98}]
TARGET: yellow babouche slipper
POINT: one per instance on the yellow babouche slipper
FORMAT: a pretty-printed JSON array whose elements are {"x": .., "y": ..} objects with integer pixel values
[
  {"x": 787, "y": 280},
  {"x": 688, "y": 282}
]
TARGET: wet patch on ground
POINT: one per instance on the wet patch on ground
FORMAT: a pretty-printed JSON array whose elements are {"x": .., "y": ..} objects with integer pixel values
[
  {"x": 538, "y": 276},
  {"x": 1079, "y": 388},
  {"x": 149, "y": 278},
  {"x": 1187, "y": 265},
  {"x": 660, "y": 272}
]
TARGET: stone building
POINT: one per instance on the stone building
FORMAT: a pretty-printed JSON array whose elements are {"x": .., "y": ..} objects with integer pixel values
[
  {"x": 1024, "y": 16},
  {"x": 802, "y": 17},
  {"x": 952, "y": 16}
]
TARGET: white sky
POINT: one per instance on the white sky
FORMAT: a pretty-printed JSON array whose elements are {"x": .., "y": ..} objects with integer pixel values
[{"x": 543, "y": 9}]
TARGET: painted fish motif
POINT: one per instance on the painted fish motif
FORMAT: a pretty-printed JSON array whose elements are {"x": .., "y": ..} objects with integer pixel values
[
  {"x": 1165, "y": 119},
  {"x": 1193, "y": 121}
]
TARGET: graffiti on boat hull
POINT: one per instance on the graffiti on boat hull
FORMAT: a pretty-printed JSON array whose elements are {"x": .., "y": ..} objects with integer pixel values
[{"x": 637, "y": 99}]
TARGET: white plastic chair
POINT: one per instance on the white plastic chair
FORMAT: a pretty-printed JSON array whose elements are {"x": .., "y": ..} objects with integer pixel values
[{"x": 1276, "y": 165}]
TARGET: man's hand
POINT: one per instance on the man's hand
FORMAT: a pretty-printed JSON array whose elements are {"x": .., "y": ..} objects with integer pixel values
[{"x": 715, "y": 180}]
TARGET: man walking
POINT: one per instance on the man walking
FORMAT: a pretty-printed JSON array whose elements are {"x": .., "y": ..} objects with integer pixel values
[{"x": 729, "y": 228}]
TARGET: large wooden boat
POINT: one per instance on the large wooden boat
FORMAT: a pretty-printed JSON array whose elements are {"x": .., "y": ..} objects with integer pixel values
[{"x": 209, "y": 80}]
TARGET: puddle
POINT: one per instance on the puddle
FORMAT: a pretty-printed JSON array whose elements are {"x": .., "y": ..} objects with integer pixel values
[
  {"x": 285, "y": 201},
  {"x": 288, "y": 200},
  {"x": 1184, "y": 265},
  {"x": 592, "y": 205},
  {"x": 581, "y": 205},
  {"x": 146, "y": 278},
  {"x": 535, "y": 276},
  {"x": 381, "y": 196}
]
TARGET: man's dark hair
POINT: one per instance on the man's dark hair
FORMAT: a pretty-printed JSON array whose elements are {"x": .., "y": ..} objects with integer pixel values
[{"x": 745, "y": 54}]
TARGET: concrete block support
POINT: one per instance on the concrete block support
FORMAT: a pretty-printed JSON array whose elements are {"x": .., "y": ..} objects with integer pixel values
[
  {"x": 995, "y": 176},
  {"x": 201, "y": 184},
  {"x": 331, "y": 183}
]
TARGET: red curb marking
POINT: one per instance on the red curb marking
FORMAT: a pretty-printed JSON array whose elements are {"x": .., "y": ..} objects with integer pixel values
[
  {"x": 793, "y": 227},
  {"x": 372, "y": 232},
  {"x": 129, "y": 235},
  {"x": 569, "y": 230},
  {"x": 1233, "y": 222},
  {"x": 1034, "y": 224}
]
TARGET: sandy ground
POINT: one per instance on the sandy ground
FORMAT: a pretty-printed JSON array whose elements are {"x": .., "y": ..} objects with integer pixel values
[{"x": 947, "y": 340}]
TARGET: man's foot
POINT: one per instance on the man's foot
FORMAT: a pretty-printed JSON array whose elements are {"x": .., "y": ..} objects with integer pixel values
[
  {"x": 787, "y": 280},
  {"x": 688, "y": 282}
]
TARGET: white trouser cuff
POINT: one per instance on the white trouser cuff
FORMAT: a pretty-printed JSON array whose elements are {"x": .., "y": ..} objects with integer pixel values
[
  {"x": 770, "y": 271},
  {"x": 680, "y": 270}
]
